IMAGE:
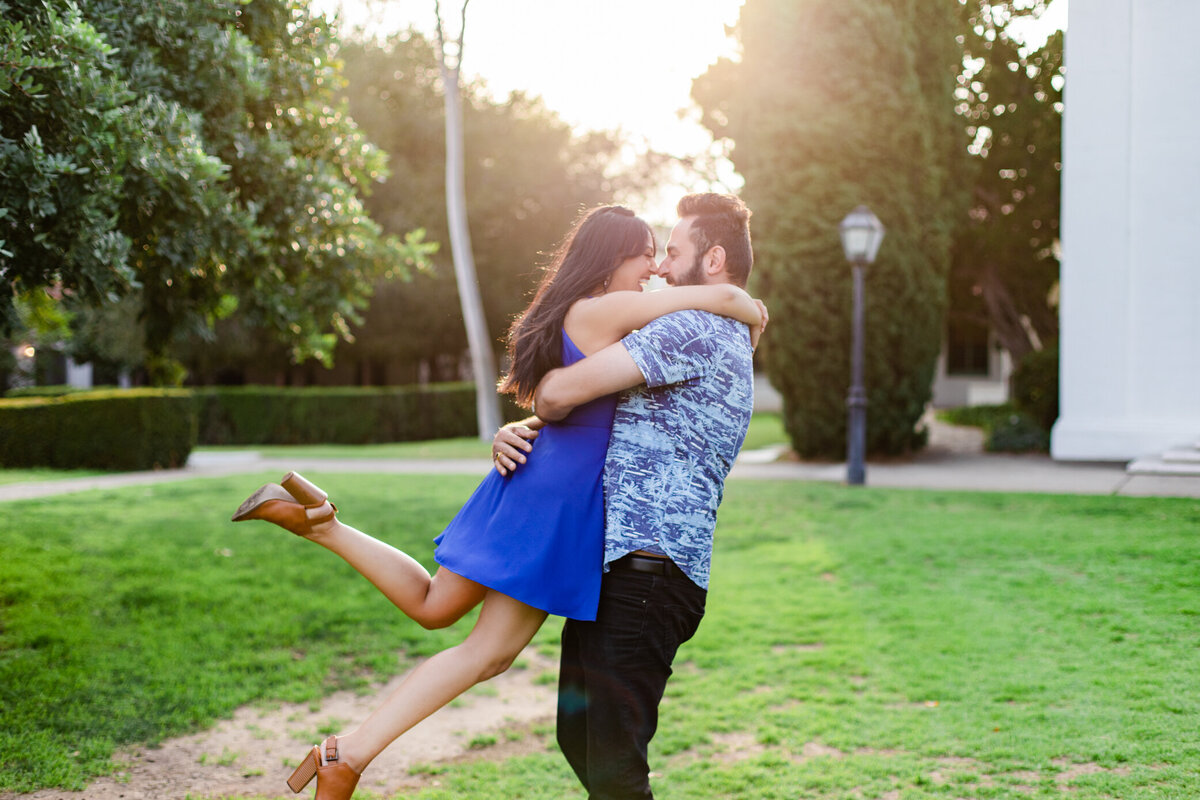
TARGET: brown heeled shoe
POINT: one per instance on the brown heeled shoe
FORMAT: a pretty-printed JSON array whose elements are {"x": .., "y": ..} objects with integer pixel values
[
  {"x": 335, "y": 779},
  {"x": 287, "y": 509}
]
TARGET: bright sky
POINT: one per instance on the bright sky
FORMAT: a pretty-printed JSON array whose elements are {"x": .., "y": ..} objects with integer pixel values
[
  {"x": 1035, "y": 32},
  {"x": 621, "y": 65}
]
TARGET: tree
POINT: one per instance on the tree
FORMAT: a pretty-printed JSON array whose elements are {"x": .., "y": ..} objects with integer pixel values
[
  {"x": 393, "y": 90},
  {"x": 527, "y": 175},
  {"x": 109, "y": 337},
  {"x": 61, "y": 172},
  {"x": 1005, "y": 265},
  {"x": 198, "y": 148},
  {"x": 835, "y": 103},
  {"x": 483, "y": 365}
]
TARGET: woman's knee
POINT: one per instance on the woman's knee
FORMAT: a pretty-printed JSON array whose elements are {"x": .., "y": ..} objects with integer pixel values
[
  {"x": 448, "y": 598},
  {"x": 497, "y": 665},
  {"x": 493, "y": 659}
]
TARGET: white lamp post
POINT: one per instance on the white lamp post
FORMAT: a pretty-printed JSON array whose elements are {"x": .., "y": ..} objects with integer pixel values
[{"x": 861, "y": 233}]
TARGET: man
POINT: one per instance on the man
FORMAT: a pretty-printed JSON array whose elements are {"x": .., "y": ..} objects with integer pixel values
[{"x": 676, "y": 433}]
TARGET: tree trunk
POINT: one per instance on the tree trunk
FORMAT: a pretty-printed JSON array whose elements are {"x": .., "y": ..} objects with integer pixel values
[
  {"x": 1004, "y": 316},
  {"x": 483, "y": 363}
]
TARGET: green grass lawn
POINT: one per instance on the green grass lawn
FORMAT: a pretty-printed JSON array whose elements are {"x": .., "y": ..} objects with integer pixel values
[
  {"x": 858, "y": 643},
  {"x": 468, "y": 447},
  {"x": 766, "y": 430}
]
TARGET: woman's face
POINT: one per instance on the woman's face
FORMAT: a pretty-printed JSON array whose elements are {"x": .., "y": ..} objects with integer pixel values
[{"x": 630, "y": 273}]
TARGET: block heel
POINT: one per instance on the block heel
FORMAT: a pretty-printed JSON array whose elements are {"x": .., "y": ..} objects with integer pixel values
[
  {"x": 335, "y": 778},
  {"x": 305, "y": 772},
  {"x": 305, "y": 492}
]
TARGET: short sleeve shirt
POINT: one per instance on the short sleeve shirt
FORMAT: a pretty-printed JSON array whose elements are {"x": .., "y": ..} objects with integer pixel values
[{"x": 675, "y": 439}]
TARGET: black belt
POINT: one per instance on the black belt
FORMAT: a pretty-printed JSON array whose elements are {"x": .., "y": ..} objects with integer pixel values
[{"x": 655, "y": 566}]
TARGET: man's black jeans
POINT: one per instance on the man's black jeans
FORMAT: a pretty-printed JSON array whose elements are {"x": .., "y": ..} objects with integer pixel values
[{"x": 612, "y": 677}]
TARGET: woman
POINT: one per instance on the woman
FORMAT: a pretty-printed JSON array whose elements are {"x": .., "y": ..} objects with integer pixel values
[{"x": 525, "y": 545}]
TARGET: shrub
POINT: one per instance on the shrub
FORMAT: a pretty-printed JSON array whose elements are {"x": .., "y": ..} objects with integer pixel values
[
  {"x": 337, "y": 415},
  {"x": 1035, "y": 386},
  {"x": 113, "y": 430},
  {"x": 982, "y": 416},
  {"x": 1007, "y": 429},
  {"x": 1017, "y": 433}
]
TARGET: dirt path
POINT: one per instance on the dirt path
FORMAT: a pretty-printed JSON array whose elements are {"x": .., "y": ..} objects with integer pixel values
[{"x": 253, "y": 753}]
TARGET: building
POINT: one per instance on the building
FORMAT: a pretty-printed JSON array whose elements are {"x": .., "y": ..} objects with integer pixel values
[{"x": 972, "y": 368}]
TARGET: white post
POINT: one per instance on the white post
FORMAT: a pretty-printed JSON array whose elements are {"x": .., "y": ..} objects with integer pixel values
[{"x": 79, "y": 375}]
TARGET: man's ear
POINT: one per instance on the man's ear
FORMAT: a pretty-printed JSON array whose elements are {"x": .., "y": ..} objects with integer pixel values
[{"x": 714, "y": 260}]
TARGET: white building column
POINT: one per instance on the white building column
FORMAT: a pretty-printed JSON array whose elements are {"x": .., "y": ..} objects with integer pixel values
[{"x": 1130, "y": 299}]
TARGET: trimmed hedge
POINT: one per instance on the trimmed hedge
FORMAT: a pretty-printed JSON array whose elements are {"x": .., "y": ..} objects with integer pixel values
[
  {"x": 57, "y": 390},
  {"x": 337, "y": 415},
  {"x": 112, "y": 430},
  {"x": 151, "y": 428}
]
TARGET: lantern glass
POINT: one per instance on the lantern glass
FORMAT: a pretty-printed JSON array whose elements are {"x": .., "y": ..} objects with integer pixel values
[{"x": 861, "y": 233}]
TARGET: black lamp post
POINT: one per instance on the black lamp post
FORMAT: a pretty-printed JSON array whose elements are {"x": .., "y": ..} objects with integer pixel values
[{"x": 861, "y": 233}]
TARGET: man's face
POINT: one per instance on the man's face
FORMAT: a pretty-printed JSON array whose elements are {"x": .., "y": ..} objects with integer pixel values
[{"x": 681, "y": 264}]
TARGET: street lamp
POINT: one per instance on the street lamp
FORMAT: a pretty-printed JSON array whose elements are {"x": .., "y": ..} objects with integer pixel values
[{"x": 861, "y": 233}]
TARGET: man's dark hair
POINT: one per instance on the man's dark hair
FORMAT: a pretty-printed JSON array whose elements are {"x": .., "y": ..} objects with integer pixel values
[{"x": 721, "y": 219}]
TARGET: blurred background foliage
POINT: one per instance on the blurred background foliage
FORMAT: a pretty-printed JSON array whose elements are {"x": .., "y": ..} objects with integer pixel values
[
  {"x": 935, "y": 117},
  {"x": 194, "y": 156},
  {"x": 228, "y": 192}
]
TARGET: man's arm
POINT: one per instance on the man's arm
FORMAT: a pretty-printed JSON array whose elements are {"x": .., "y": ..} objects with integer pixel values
[{"x": 604, "y": 372}]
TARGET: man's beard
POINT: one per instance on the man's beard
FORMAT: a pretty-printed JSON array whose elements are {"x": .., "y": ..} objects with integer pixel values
[{"x": 694, "y": 275}]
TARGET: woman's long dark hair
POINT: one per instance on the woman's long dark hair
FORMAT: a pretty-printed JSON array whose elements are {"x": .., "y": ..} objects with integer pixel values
[{"x": 601, "y": 239}]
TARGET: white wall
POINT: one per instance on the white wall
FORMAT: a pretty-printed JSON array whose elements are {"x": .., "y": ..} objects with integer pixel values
[
  {"x": 952, "y": 391},
  {"x": 1130, "y": 302}
]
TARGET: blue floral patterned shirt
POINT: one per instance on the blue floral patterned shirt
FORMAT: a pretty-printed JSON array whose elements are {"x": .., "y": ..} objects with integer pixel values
[{"x": 674, "y": 440}]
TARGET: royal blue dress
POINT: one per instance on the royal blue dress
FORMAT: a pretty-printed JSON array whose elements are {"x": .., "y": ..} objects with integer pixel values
[{"x": 538, "y": 534}]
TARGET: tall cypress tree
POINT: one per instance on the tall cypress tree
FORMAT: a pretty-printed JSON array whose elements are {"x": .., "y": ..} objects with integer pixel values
[{"x": 832, "y": 104}]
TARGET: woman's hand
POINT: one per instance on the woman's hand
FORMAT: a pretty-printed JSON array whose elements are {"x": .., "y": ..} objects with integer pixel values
[
  {"x": 757, "y": 330},
  {"x": 511, "y": 444}
]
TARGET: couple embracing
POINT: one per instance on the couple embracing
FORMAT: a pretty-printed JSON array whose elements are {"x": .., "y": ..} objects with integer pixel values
[{"x": 601, "y": 508}]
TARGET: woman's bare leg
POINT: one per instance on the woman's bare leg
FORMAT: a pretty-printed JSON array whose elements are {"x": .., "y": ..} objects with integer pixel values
[
  {"x": 433, "y": 602},
  {"x": 503, "y": 629}
]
